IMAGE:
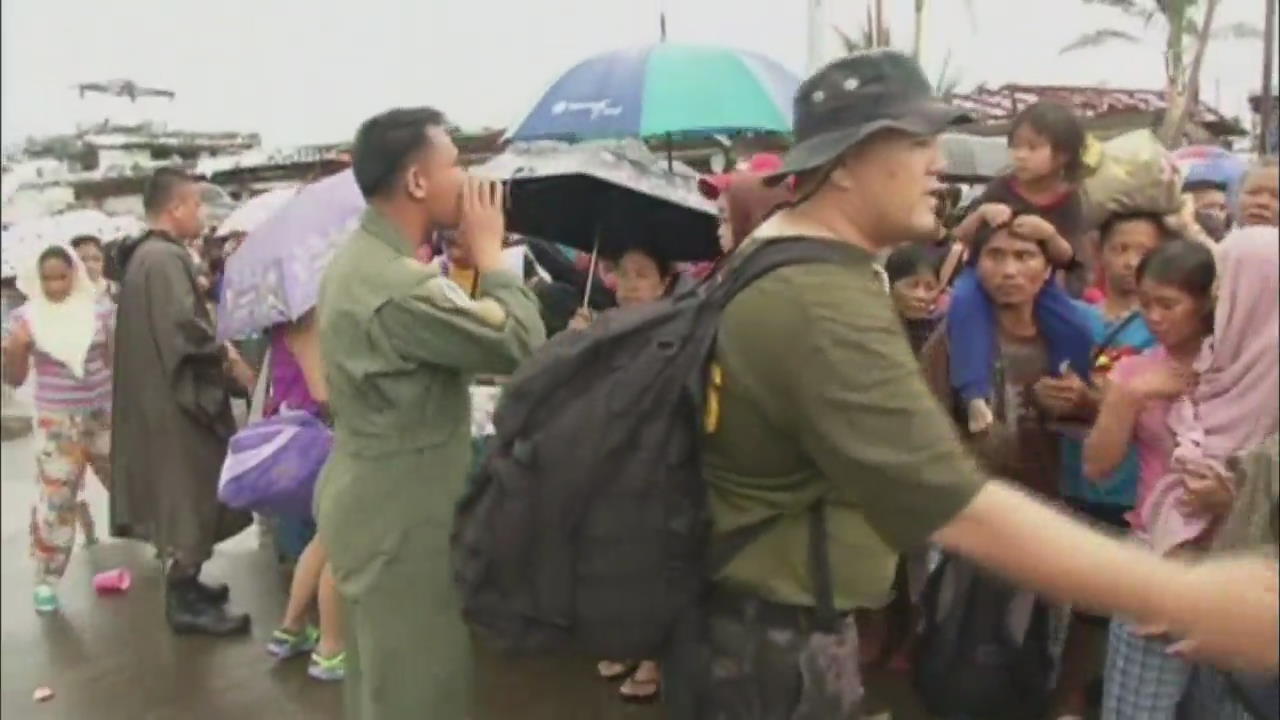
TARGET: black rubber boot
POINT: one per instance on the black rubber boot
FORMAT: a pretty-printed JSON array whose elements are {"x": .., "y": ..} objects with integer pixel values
[
  {"x": 190, "y": 613},
  {"x": 216, "y": 593}
]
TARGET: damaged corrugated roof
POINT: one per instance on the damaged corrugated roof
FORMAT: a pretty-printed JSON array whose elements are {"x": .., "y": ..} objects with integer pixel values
[{"x": 1003, "y": 103}]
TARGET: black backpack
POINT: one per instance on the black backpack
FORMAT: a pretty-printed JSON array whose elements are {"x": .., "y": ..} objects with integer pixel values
[
  {"x": 1259, "y": 694},
  {"x": 985, "y": 647},
  {"x": 586, "y": 526}
]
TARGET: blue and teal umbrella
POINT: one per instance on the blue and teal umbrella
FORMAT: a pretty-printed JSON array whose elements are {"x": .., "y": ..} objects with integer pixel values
[{"x": 664, "y": 89}]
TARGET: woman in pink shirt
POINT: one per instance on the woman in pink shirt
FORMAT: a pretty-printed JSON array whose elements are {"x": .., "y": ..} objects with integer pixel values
[
  {"x": 65, "y": 333},
  {"x": 1175, "y": 288}
]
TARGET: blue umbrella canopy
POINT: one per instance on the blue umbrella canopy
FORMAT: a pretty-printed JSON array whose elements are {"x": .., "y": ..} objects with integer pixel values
[{"x": 661, "y": 89}]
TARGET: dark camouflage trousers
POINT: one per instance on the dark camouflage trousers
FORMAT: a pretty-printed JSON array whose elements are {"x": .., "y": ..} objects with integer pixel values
[{"x": 760, "y": 672}]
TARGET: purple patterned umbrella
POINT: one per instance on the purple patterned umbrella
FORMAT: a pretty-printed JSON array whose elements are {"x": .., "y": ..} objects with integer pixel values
[{"x": 275, "y": 275}]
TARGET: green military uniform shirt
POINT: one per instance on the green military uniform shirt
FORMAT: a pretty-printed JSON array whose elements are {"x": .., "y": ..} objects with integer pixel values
[
  {"x": 821, "y": 397},
  {"x": 399, "y": 344}
]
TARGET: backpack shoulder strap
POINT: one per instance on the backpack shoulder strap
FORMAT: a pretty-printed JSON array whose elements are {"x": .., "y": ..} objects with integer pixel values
[
  {"x": 1114, "y": 333},
  {"x": 826, "y": 617},
  {"x": 1256, "y": 693},
  {"x": 775, "y": 255}
]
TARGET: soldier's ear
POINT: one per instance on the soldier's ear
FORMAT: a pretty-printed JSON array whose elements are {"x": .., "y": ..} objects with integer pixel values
[{"x": 415, "y": 183}]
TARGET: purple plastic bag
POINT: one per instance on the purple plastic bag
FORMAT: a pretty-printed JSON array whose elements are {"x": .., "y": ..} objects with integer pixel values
[{"x": 272, "y": 465}]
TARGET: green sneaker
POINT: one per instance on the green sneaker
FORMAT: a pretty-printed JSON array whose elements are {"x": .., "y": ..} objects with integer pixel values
[
  {"x": 332, "y": 669},
  {"x": 284, "y": 644},
  {"x": 46, "y": 599}
]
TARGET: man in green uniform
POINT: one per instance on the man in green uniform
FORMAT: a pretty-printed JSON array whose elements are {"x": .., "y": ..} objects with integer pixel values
[
  {"x": 820, "y": 399},
  {"x": 399, "y": 343}
]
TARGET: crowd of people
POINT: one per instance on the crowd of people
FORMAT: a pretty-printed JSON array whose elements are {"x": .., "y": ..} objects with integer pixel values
[{"x": 1120, "y": 380}]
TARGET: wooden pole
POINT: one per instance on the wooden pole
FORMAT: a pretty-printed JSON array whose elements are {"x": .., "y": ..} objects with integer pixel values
[
  {"x": 881, "y": 36},
  {"x": 1266, "y": 113},
  {"x": 817, "y": 29},
  {"x": 1185, "y": 102},
  {"x": 917, "y": 46}
]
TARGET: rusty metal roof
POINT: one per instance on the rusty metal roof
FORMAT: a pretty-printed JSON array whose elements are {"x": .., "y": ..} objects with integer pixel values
[{"x": 1003, "y": 103}]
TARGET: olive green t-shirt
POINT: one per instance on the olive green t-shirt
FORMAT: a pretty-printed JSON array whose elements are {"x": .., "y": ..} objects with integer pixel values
[{"x": 819, "y": 396}]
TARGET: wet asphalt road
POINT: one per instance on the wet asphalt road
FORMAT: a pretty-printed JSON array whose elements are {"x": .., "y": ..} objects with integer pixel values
[{"x": 113, "y": 657}]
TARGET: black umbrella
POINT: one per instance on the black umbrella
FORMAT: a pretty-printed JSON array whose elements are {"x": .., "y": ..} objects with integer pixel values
[
  {"x": 604, "y": 198},
  {"x": 564, "y": 272}
]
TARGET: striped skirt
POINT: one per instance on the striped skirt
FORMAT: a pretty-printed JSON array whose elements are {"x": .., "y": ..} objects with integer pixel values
[{"x": 1142, "y": 681}]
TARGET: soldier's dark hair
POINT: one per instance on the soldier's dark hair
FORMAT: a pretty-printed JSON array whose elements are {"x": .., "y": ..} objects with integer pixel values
[
  {"x": 385, "y": 143},
  {"x": 161, "y": 189},
  {"x": 1061, "y": 128}
]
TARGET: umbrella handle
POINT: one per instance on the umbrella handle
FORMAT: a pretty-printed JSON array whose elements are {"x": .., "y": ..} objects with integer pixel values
[
  {"x": 541, "y": 271},
  {"x": 591, "y": 274}
]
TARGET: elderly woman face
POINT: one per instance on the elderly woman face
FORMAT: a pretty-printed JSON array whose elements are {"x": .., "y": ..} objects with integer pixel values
[{"x": 1260, "y": 197}]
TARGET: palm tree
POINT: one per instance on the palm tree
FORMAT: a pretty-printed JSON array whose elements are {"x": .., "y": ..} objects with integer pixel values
[
  {"x": 875, "y": 34},
  {"x": 1184, "y": 36}
]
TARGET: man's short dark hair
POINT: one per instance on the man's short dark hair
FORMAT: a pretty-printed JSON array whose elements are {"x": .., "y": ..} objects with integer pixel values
[
  {"x": 161, "y": 189},
  {"x": 385, "y": 143}
]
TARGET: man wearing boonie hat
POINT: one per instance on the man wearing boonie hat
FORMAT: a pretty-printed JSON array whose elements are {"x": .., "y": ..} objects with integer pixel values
[{"x": 825, "y": 425}]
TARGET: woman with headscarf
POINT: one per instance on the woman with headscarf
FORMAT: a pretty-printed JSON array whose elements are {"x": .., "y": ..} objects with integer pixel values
[
  {"x": 92, "y": 254},
  {"x": 65, "y": 333}
]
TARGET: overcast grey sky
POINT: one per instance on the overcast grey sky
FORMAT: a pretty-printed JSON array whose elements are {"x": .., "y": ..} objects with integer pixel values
[{"x": 308, "y": 71}]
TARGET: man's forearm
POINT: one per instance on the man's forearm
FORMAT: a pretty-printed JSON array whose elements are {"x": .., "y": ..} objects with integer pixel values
[{"x": 1044, "y": 550}]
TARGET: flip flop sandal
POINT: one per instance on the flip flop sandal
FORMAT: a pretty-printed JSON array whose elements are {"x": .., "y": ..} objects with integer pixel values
[
  {"x": 637, "y": 699},
  {"x": 620, "y": 670}
]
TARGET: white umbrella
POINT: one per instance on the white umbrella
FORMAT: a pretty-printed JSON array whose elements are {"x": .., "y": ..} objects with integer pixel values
[
  {"x": 255, "y": 210},
  {"x": 217, "y": 204}
]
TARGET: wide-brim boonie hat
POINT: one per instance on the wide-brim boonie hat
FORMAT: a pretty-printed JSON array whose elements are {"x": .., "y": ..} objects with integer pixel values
[{"x": 857, "y": 96}]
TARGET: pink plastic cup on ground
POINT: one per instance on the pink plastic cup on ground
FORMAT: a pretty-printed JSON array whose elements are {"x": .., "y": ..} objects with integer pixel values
[{"x": 112, "y": 581}]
